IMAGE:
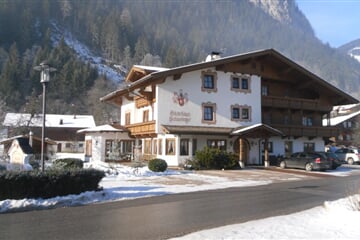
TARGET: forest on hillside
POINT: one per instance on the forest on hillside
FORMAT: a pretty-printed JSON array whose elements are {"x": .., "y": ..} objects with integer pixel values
[{"x": 126, "y": 32}]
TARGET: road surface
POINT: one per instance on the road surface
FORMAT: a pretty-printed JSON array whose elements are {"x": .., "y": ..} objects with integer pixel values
[{"x": 175, "y": 215}]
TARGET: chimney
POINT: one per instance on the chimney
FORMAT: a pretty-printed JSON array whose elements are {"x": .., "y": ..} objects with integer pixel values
[{"x": 213, "y": 56}]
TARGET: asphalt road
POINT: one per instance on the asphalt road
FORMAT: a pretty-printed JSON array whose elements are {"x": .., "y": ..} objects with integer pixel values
[{"x": 175, "y": 215}]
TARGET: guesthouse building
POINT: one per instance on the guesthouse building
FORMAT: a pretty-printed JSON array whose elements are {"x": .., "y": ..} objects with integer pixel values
[{"x": 258, "y": 105}]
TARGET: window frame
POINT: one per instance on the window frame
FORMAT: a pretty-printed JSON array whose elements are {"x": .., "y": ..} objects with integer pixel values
[
  {"x": 146, "y": 115},
  {"x": 204, "y": 114},
  {"x": 214, "y": 78},
  {"x": 127, "y": 118},
  {"x": 241, "y": 117},
  {"x": 240, "y": 80},
  {"x": 170, "y": 146},
  {"x": 184, "y": 147},
  {"x": 217, "y": 143}
]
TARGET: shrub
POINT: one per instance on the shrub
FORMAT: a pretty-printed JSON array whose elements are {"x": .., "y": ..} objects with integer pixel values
[
  {"x": 35, "y": 164},
  {"x": 47, "y": 184},
  {"x": 213, "y": 158},
  {"x": 157, "y": 165},
  {"x": 68, "y": 163},
  {"x": 2, "y": 167}
]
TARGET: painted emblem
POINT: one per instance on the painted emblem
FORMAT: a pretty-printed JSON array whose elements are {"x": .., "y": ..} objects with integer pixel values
[{"x": 180, "y": 98}]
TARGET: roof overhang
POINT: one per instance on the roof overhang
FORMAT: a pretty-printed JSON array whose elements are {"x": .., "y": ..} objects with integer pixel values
[
  {"x": 257, "y": 131},
  {"x": 283, "y": 65},
  {"x": 171, "y": 129}
]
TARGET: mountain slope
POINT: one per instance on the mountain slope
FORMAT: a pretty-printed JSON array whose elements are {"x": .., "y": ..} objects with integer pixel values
[
  {"x": 162, "y": 33},
  {"x": 352, "y": 49}
]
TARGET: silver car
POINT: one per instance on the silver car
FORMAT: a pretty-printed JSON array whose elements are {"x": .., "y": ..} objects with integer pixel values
[{"x": 349, "y": 155}]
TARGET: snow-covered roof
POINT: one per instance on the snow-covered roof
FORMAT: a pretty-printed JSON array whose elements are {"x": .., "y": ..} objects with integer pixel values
[
  {"x": 151, "y": 68},
  {"x": 345, "y": 112},
  {"x": 104, "y": 128},
  {"x": 51, "y": 120}
]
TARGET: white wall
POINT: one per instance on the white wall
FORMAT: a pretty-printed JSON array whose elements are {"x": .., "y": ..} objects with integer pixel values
[
  {"x": 98, "y": 143},
  {"x": 169, "y": 112}
]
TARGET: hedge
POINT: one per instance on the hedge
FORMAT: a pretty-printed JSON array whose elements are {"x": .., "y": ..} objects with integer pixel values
[{"x": 47, "y": 184}]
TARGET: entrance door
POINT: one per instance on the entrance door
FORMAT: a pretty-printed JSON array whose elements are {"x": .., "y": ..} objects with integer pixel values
[{"x": 288, "y": 148}]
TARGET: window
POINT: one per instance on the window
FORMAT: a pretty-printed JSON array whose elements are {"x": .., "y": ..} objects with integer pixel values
[
  {"x": 194, "y": 146},
  {"x": 88, "y": 148},
  {"x": 240, "y": 83},
  {"x": 245, "y": 114},
  {"x": 235, "y": 83},
  {"x": 309, "y": 147},
  {"x": 307, "y": 121},
  {"x": 112, "y": 149},
  {"x": 127, "y": 118},
  {"x": 170, "y": 146},
  {"x": 215, "y": 143},
  {"x": 264, "y": 90},
  {"x": 145, "y": 115},
  {"x": 147, "y": 146},
  {"x": 208, "y": 112},
  {"x": 127, "y": 146},
  {"x": 240, "y": 113},
  {"x": 184, "y": 147},
  {"x": 209, "y": 81},
  {"x": 155, "y": 146},
  {"x": 160, "y": 146},
  {"x": 235, "y": 113},
  {"x": 245, "y": 83}
]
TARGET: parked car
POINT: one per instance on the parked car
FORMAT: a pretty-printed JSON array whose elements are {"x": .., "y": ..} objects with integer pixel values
[
  {"x": 349, "y": 155},
  {"x": 334, "y": 159},
  {"x": 306, "y": 160}
]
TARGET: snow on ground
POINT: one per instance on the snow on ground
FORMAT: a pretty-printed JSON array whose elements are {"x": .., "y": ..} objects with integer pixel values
[{"x": 333, "y": 220}]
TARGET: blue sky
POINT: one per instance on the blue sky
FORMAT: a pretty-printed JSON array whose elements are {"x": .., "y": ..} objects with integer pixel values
[{"x": 336, "y": 22}]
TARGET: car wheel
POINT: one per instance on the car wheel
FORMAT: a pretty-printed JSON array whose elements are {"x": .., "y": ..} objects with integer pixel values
[
  {"x": 309, "y": 167},
  {"x": 350, "y": 161},
  {"x": 283, "y": 164}
]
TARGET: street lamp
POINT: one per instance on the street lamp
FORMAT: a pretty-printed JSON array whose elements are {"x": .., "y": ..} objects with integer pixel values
[{"x": 45, "y": 70}]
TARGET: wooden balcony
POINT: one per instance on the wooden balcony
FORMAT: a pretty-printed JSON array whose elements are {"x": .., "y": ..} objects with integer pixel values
[
  {"x": 144, "y": 129},
  {"x": 294, "y": 103},
  {"x": 306, "y": 131}
]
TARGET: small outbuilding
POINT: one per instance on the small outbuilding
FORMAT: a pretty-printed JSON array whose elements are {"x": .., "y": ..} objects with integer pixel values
[
  {"x": 20, "y": 152},
  {"x": 108, "y": 143}
]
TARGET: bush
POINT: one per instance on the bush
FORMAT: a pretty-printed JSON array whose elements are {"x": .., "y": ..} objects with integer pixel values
[
  {"x": 35, "y": 164},
  {"x": 213, "y": 158},
  {"x": 157, "y": 165},
  {"x": 47, "y": 184},
  {"x": 68, "y": 163},
  {"x": 2, "y": 167}
]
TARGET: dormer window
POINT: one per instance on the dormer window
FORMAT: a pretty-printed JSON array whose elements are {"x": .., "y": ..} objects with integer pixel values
[{"x": 209, "y": 81}]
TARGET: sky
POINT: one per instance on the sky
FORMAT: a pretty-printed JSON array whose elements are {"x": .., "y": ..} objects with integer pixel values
[
  {"x": 332, "y": 220},
  {"x": 336, "y": 22}
]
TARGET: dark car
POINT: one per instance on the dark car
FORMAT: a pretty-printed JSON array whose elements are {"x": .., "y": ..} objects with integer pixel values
[
  {"x": 334, "y": 159},
  {"x": 306, "y": 160}
]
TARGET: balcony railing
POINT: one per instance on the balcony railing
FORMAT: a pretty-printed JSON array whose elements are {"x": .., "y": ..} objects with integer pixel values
[
  {"x": 306, "y": 131},
  {"x": 142, "y": 129},
  {"x": 294, "y": 103}
]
